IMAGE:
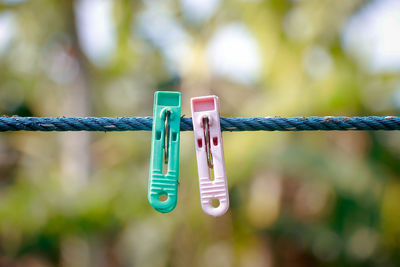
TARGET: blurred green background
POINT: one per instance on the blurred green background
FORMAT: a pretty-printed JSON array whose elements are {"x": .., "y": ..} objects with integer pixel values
[{"x": 297, "y": 199}]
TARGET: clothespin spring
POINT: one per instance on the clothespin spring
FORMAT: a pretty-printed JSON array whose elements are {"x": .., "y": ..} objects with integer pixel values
[
  {"x": 166, "y": 135},
  {"x": 206, "y": 130}
]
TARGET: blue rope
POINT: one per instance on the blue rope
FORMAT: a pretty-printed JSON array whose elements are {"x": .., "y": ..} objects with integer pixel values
[{"x": 106, "y": 124}]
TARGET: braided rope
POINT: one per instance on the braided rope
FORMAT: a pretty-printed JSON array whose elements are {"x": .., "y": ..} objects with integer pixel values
[{"x": 107, "y": 124}]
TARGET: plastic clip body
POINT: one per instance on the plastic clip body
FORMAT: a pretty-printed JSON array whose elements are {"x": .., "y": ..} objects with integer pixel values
[
  {"x": 210, "y": 155},
  {"x": 164, "y": 161}
]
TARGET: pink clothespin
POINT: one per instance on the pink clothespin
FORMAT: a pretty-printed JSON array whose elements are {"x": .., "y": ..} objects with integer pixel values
[{"x": 210, "y": 155}]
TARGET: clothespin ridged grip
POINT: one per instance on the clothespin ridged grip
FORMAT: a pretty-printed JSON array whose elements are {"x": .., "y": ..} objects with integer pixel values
[{"x": 164, "y": 161}]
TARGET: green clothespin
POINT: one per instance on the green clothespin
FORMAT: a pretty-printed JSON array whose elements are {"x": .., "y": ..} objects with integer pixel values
[{"x": 164, "y": 161}]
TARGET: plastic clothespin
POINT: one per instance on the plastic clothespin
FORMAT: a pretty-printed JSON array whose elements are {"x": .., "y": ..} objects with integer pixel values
[
  {"x": 164, "y": 161},
  {"x": 210, "y": 155}
]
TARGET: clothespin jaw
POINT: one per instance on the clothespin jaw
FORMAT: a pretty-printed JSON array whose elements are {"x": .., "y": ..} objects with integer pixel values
[
  {"x": 164, "y": 162},
  {"x": 210, "y": 155}
]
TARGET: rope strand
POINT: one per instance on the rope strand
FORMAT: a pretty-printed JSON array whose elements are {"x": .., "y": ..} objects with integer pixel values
[{"x": 106, "y": 124}]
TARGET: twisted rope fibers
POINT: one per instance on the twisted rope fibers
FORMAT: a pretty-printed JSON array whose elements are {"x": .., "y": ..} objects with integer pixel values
[{"x": 107, "y": 124}]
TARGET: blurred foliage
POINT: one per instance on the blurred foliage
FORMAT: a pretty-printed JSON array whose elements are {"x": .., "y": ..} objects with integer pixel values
[{"x": 297, "y": 199}]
